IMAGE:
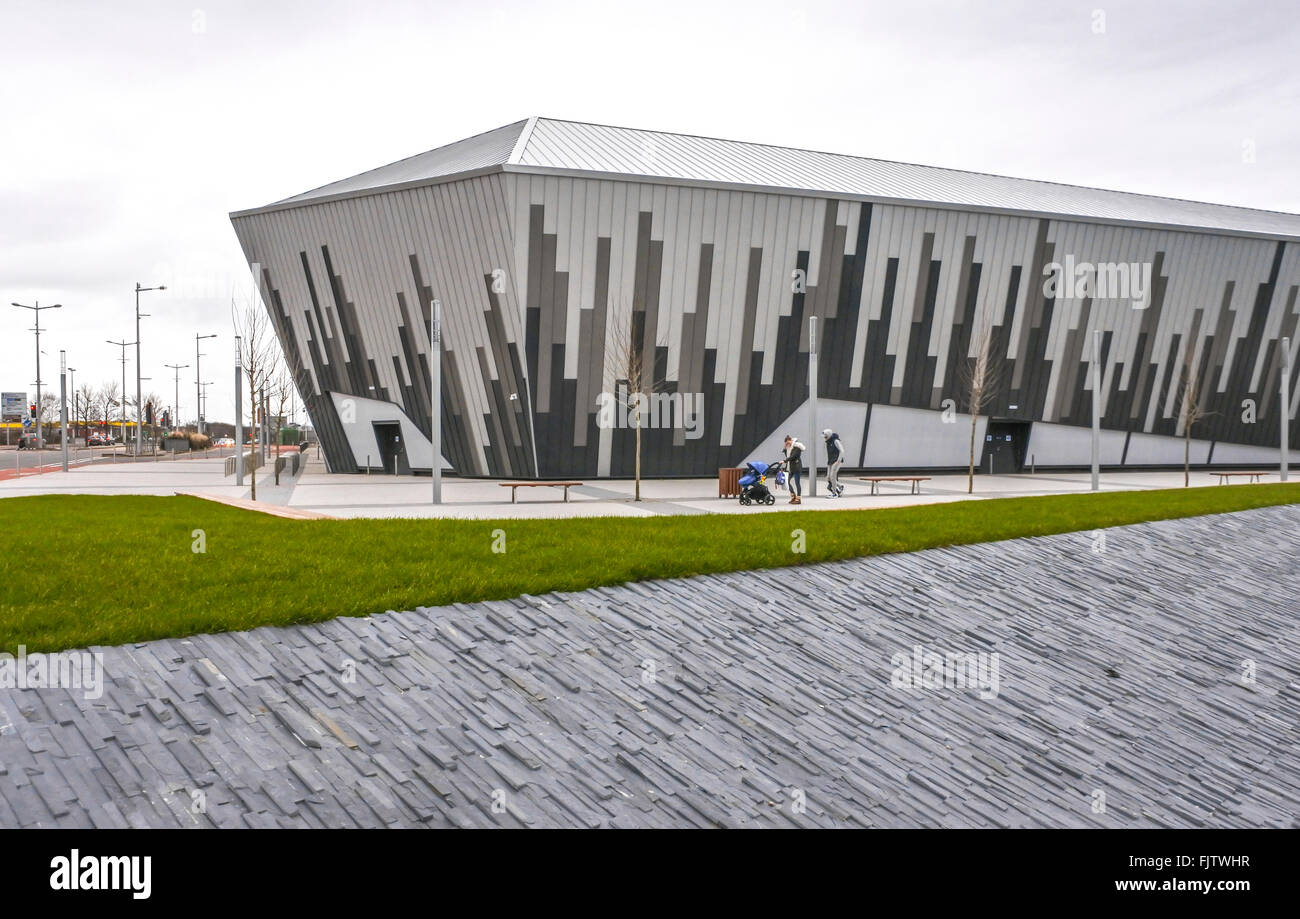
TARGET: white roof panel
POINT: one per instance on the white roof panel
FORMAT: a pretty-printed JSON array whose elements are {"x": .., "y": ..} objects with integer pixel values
[
  {"x": 481, "y": 151},
  {"x": 601, "y": 149},
  {"x": 546, "y": 144}
]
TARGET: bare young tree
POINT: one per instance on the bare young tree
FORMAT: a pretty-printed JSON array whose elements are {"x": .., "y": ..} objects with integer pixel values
[
  {"x": 110, "y": 399},
  {"x": 279, "y": 391},
  {"x": 1191, "y": 395},
  {"x": 257, "y": 356},
  {"x": 980, "y": 378},
  {"x": 631, "y": 359},
  {"x": 47, "y": 414},
  {"x": 87, "y": 407}
]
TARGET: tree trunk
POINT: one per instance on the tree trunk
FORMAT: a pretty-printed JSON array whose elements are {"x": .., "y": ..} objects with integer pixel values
[
  {"x": 253, "y": 454},
  {"x": 1187, "y": 455},
  {"x": 970, "y": 474},
  {"x": 638, "y": 454}
]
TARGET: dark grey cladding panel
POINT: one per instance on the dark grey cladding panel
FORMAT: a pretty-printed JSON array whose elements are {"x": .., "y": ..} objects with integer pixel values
[
  {"x": 917, "y": 275},
  {"x": 357, "y": 278}
]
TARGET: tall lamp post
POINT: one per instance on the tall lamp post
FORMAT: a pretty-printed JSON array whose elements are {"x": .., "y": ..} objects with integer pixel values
[
  {"x": 812, "y": 405},
  {"x": 123, "y": 344},
  {"x": 203, "y": 397},
  {"x": 198, "y": 387},
  {"x": 63, "y": 407},
  {"x": 435, "y": 397},
  {"x": 139, "y": 409},
  {"x": 72, "y": 386},
  {"x": 1286, "y": 408},
  {"x": 176, "y": 403},
  {"x": 239, "y": 414},
  {"x": 40, "y": 433}
]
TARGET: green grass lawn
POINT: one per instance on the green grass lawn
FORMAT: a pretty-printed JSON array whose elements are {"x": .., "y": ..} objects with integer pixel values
[{"x": 84, "y": 570}]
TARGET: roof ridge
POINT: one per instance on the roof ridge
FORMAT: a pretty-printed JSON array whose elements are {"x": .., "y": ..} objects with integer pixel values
[
  {"x": 521, "y": 142},
  {"x": 873, "y": 159}
]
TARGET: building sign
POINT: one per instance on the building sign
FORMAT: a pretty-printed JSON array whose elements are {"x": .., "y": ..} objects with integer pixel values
[{"x": 13, "y": 405}]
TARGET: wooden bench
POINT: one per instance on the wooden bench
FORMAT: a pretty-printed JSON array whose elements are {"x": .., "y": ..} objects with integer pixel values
[
  {"x": 515, "y": 486},
  {"x": 1225, "y": 476},
  {"x": 875, "y": 481}
]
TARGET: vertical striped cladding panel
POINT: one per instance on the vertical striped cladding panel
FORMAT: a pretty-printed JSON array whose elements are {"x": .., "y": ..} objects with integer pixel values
[
  {"x": 727, "y": 280},
  {"x": 350, "y": 283},
  {"x": 538, "y": 275}
]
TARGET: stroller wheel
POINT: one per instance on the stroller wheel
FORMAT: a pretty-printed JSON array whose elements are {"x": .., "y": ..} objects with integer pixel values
[
  {"x": 744, "y": 499},
  {"x": 771, "y": 499}
]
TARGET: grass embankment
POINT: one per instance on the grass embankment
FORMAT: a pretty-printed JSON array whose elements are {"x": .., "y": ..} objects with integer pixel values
[{"x": 82, "y": 570}]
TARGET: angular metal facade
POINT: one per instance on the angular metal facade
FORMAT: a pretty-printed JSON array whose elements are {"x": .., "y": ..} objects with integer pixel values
[{"x": 537, "y": 264}]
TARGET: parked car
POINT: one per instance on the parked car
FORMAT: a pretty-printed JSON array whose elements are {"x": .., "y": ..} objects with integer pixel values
[
  {"x": 27, "y": 442},
  {"x": 224, "y": 442},
  {"x": 96, "y": 439}
]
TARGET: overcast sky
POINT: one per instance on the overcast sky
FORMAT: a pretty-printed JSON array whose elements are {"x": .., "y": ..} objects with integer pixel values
[{"x": 131, "y": 129}]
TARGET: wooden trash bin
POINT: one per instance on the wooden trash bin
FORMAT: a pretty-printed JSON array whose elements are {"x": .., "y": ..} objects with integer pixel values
[{"x": 729, "y": 482}]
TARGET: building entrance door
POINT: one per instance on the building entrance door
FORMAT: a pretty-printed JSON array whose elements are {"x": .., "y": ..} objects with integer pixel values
[
  {"x": 1004, "y": 447},
  {"x": 392, "y": 452}
]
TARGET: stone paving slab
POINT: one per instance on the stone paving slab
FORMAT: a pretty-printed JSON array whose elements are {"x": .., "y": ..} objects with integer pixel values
[{"x": 755, "y": 699}]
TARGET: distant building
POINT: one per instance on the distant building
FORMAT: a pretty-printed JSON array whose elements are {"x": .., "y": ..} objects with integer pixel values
[{"x": 543, "y": 238}]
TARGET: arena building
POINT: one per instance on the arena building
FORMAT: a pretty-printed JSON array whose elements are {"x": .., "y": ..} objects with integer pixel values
[{"x": 559, "y": 250}]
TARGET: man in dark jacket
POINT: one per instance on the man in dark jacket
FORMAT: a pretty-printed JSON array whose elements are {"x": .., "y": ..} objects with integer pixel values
[{"x": 834, "y": 459}]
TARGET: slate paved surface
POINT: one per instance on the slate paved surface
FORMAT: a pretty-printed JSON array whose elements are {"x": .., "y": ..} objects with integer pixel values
[{"x": 771, "y": 701}]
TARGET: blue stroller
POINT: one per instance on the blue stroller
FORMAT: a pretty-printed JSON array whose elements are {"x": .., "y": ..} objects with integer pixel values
[{"x": 753, "y": 484}]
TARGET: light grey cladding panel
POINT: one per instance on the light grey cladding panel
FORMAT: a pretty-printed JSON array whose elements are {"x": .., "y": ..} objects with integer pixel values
[{"x": 367, "y": 255}]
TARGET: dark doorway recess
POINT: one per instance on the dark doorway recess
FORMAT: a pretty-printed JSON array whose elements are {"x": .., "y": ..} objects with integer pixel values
[
  {"x": 1004, "y": 446},
  {"x": 392, "y": 452}
]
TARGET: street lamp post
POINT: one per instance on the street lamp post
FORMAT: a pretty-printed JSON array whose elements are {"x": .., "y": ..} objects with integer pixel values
[
  {"x": 123, "y": 344},
  {"x": 198, "y": 387},
  {"x": 176, "y": 403},
  {"x": 239, "y": 415},
  {"x": 203, "y": 398},
  {"x": 63, "y": 407},
  {"x": 1096, "y": 409},
  {"x": 1286, "y": 408},
  {"x": 139, "y": 409},
  {"x": 812, "y": 405},
  {"x": 72, "y": 385},
  {"x": 40, "y": 433},
  {"x": 435, "y": 397}
]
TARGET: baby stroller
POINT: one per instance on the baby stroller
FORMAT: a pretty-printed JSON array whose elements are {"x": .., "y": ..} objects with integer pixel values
[{"x": 753, "y": 484}]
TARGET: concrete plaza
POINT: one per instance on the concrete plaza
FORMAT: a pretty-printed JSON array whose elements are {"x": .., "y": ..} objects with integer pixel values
[{"x": 316, "y": 492}]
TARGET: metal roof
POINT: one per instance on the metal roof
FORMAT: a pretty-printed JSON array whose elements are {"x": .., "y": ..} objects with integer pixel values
[
  {"x": 577, "y": 148},
  {"x": 492, "y": 148}
]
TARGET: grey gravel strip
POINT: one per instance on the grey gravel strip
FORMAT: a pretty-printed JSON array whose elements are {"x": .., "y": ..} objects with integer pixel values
[{"x": 1125, "y": 698}]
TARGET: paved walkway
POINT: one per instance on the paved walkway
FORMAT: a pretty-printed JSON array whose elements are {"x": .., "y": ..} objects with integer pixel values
[
  {"x": 318, "y": 493},
  {"x": 765, "y": 698}
]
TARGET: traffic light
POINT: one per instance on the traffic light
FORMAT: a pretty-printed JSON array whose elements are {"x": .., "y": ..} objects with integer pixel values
[
  {"x": 148, "y": 413},
  {"x": 32, "y": 408}
]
